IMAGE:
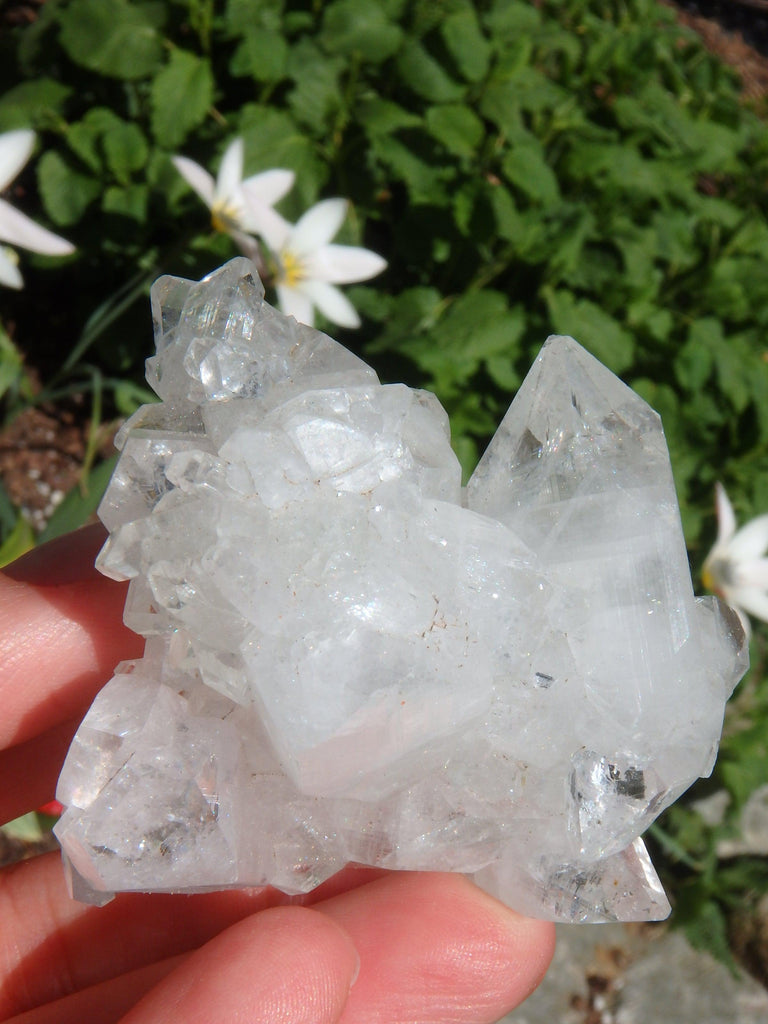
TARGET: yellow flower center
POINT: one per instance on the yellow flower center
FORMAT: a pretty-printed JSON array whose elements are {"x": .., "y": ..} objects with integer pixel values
[
  {"x": 224, "y": 218},
  {"x": 708, "y": 579},
  {"x": 717, "y": 574},
  {"x": 293, "y": 269}
]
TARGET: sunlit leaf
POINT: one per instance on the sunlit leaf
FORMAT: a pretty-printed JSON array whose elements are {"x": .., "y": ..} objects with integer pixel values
[
  {"x": 181, "y": 95},
  {"x": 115, "y": 38}
]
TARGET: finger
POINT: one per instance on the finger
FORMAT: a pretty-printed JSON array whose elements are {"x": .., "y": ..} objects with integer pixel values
[
  {"x": 51, "y": 945},
  {"x": 50, "y": 939},
  {"x": 435, "y": 949},
  {"x": 61, "y": 635},
  {"x": 47, "y": 939},
  {"x": 29, "y": 771},
  {"x": 105, "y": 1003},
  {"x": 285, "y": 964}
]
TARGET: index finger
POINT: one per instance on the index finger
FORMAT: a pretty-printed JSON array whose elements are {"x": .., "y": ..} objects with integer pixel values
[{"x": 61, "y": 635}]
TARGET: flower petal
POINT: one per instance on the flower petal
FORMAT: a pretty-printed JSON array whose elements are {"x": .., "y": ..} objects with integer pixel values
[
  {"x": 318, "y": 225},
  {"x": 752, "y": 601},
  {"x": 295, "y": 302},
  {"x": 726, "y": 519},
  {"x": 9, "y": 272},
  {"x": 751, "y": 541},
  {"x": 248, "y": 245},
  {"x": 230, "y": 173},
  {"x": 269, "y": 186},
  {"x": 752, "y": 574},
  {"x": 343, "y": 264},
  {"x": 274, "y": 229},
  {"x": 332, "y": 303},
  {"x": 260, "y": 219},
  {"x": 15, "y": 149},
  {"x": 18, "y": 229},
  {"x": 197, "y": 177}
]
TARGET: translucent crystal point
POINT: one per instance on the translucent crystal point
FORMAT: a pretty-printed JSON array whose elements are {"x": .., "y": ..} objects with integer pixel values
[{"x": 347, "y": 660}]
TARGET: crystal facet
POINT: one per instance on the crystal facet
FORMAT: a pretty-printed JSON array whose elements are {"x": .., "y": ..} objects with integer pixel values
[{"x": 349, "y": 660}]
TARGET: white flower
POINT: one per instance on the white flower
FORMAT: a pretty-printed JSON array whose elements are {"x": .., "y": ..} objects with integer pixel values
[
  {"x": 308, "y": 267},
  {"x": 736, "y": 568},
  {"x": 15, "y": 150},
  {"x": 238, "y": 206}
]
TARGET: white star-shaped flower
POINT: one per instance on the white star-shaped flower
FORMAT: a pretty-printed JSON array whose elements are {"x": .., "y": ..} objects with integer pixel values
[
  {"x": 736, "y": 568},
  {"x": 308, "y": 267},
  {"x": 239, "y": 207},
  {"x": 16, "y": 228}
]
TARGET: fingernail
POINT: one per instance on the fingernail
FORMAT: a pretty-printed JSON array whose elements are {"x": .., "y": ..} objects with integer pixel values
[
  {"x": 356, "y": 972},
  {"x": 64, "y": 560}
]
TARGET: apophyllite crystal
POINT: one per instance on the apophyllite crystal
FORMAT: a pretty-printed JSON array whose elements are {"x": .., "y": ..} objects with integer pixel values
[{"x": 350, "y": 660}]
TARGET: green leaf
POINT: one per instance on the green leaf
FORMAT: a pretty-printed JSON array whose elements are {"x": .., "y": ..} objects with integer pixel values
[
  {"x": 598, "y": 332},
  {"x": 476, "y": 327},
  {"x": 502, "y": 371},
  {"x": 382, "y": 117},
  {"x": 129, "y": 396},
  {"x": 38, "y": 104},
  {"x": 26, "y": 829},
  {"x": 180, "y": 98},
  {"x": 114, "y": 38},
  {"x": 243, "y": 15},
  {"x": 273, "y": 139},
  {"x": 525, "y": 166},
  {"x": 131, "y": 201},
  {"x": 316, "y": 96},
  {"x": 261, "y": 54},
  {"x": 457, "y": 127},
  {"x": 83, "y": 139},
  {"x": 20, "y": 540},
  {"x": 80, "y": 503},
  {"x": 66, "y": 193},
  {"x": 466, "y": 452},
  {"x": 126, "y": 150},
  {"x": 505, "y": 212},
  {"x": 426, "y": 182},
  {"x": 419, "y": 70},
  {"x": 414, "y": 312},
  {"x": 8, "y": 512},
  {"x": 694, "y": 361},
  {"x": 735, "y": 372},
  {"x": 359, "y": 28},
  {"x": 11, "y": 363},
  {"x": 508, "y": 20},
  {"x": 738, "y": 289},
  {"x": 467, "y": 44},
  {"x": 706, "y": 928}
]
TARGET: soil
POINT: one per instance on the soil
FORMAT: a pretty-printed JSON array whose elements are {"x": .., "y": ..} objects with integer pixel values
[
  {"x": 738, "y": 34},
  {"x": 41, "y": 454}
]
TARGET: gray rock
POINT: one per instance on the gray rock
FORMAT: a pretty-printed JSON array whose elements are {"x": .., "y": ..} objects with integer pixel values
[{"x": 613, "y": 974}]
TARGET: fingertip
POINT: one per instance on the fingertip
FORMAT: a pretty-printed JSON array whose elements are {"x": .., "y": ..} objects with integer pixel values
[
  {"x": 436, "y": 948},
  {"x": 285, "y": 963}
]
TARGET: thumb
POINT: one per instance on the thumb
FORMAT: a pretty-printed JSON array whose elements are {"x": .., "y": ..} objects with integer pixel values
[{"x": 284, "y": 964}]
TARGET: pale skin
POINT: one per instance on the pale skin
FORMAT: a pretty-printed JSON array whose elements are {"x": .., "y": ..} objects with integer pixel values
[{"x": 368, "y": 947}]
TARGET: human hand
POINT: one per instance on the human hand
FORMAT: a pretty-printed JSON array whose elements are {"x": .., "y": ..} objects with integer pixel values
[{"x": 367, "y": 947}]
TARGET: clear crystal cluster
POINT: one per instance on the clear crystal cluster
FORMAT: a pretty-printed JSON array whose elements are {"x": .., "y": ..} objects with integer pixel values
[{"x": 349, "y": 659}]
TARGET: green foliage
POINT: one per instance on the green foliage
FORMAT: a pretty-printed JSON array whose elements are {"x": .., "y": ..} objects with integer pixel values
[
  {"x": 583, "y": 167},
  {"x": 112, "y": 37},
  {"x": 81, "y": 502}
]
